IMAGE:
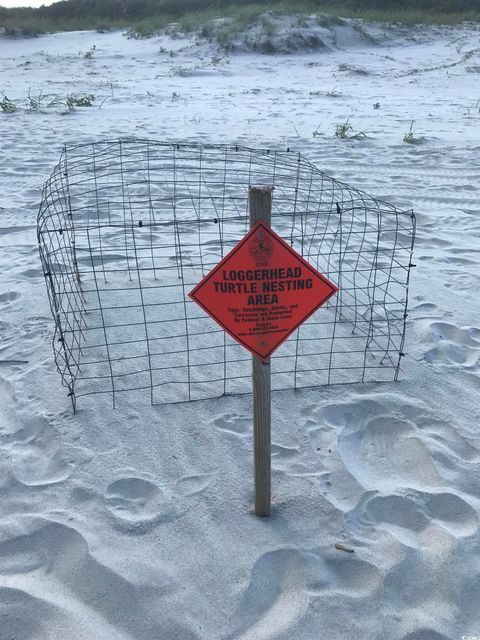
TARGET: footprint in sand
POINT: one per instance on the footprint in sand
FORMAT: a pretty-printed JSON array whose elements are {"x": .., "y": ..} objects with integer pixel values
[
  {"x": 234, "y": 424},
  {"x": 191, "y": 485},
  {"x": 339, "y": 486},
  {"x": 284, "y": 459},
  {"x": 424, "y": 310},
  {"x": 376, "y": 447},
  {"x": 385, "y": 451},
  {"x": 288, "y": 460},
  {"x": 4, "y": 330},
  {"x": 136, "y": 504},
  {"x": 454, "y": 346},
  {"x": 285, "y": 581},
  {"x": 35, "y": 454},
  {"x": 30, "y": 274},
  {"x": 409, "y": 518},
  {"x": 8, "y": 298},
  {"x": 391, "y": 443},
  {"x": 452, "y": 513},
  {"x": 23, "y": 340}
]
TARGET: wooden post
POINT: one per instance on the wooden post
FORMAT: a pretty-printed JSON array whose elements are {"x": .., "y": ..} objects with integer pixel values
[{"x": 260, "y": 208}]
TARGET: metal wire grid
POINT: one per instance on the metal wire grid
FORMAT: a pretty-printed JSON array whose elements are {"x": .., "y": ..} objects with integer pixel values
[{"x": 127, "y": 228}]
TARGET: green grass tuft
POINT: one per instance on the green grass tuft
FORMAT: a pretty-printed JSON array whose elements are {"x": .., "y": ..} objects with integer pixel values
[
  {"x": 346, "y": 131},
  {"x": 72, "y": 102},
  {"x": 411, "y": 138},
  {"x": 7, "y": 105}
]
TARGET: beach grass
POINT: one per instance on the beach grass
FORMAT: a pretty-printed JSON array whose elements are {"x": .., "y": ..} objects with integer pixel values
[{"x": 148, "y": 20}]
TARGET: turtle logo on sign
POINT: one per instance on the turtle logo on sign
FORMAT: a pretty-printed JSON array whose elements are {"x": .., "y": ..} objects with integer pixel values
[{"x": 260, "y": 247}]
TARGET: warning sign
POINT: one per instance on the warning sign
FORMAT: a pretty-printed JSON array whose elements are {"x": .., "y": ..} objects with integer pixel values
[{"x": 262, "y": 291}]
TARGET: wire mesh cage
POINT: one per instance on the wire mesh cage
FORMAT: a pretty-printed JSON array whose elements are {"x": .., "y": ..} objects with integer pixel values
[{"x": 127, "y": 228}]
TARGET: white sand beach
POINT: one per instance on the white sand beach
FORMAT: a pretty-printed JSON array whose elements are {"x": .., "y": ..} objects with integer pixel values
[{"x": 137, "y": 523}]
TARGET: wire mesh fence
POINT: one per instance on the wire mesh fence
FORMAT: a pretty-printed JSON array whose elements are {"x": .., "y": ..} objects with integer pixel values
[{"x": 127, "y": 228}]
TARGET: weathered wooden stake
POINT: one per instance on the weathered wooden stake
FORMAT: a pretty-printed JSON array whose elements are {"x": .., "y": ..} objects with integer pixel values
[{"x": 260, "y": 208}]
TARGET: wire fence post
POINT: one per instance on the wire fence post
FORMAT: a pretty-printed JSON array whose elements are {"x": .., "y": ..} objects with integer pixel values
[{"x": 260, "y": 209}]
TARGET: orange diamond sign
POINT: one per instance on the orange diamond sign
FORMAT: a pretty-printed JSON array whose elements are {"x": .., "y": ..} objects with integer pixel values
[{"x": 262, "y": 291}]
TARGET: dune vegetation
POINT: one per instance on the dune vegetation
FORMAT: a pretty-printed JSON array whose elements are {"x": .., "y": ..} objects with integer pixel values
[{"x": 148, "y": 16}]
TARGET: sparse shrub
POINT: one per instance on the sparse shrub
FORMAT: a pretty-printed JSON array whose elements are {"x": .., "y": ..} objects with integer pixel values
[
  {"x": 333, "y": 93},
  {"x": 302, "y": 21},
  {"x": 182, "y": 72},
  {"x": 341, "y": 130},
  {"x": 360, "y": 29},
  {"x": 376, "y": 105},
  {"x": 90, "y": 53},
  {"x": 345, "y": 130},
  {"x": 174, "y": 31},
  {"x": 19, "y": 32},
  {"x": 314, "y": 41},
  {"x": 328, "y": 21},
  {"x": 34, "y": 103},
  {"x": 352, "y": 69},
  {"x": 207, "y": 31},
  {"x": 266, "y": 46},
  {"x": 7, "y": 106},
  {"x": 55, "y": 102},
  {"x": 40, "y": 101},
  {"x": 411, "y": 138},
  {"x": 195, "y": 119},
  {"x": 73, "y": 102},
  {"x": 269, "y": 28}
]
